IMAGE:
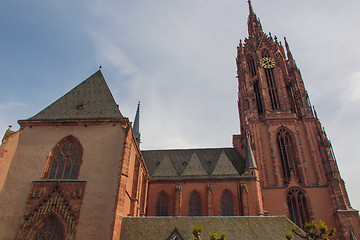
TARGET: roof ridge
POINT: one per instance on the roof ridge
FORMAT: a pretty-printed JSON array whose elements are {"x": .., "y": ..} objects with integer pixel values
[{"x": 187, "y": 149}]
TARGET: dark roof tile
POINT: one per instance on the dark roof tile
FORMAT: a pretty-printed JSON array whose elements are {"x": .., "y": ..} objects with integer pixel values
[
  {"x": 180, "y": 158},
  {"x": 91, "y": 99},
  {"x": 238, "y": 228}
]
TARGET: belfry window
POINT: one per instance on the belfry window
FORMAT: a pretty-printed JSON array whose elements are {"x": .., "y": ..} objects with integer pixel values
[
  {"x": 195, "y": 205},
  {"x": 270, "y": 79},
  {"x": 51, "y": 230},
  {"x": 287, "y": 154},
  {"x": 297, "y": 205},
  {"x": 227, "y": 204},
  {"x": 162, "y": 205},
  {"x": 65, "y": 160},
  {"x": 251, "y": 66}
]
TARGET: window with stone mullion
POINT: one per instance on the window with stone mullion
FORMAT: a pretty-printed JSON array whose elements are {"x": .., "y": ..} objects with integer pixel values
[
  {"x": 65, "y": 162},
  {"x": 195, "y": 205},
  {"x": 162, "y": 205},
  {"x": 298, "y": 210},
  {"x": 227, "y": 204}
]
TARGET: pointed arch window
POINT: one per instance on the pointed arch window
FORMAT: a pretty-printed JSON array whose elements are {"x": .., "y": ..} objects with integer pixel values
[
  {"x": 195, "y": 205},
  {"x": 251, "y": 66},
  {"x": 270, "y": 79},
  {"x": 162, "y": 204},
  {"x": 227, "y": 204},
  {"x": 51, "y": 230},
  {"x": 258, "y": 97},
  {"x": 65, "y": 160},
  {"x": 298, "y": 209},
  {"x": 287, "y": 154}
]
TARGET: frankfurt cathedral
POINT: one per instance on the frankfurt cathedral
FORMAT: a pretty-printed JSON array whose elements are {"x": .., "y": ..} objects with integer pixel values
[{"x": 76, "y": 170}]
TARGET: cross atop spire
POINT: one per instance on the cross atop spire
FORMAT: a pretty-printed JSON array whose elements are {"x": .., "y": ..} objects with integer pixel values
[{"x": 136, "y": 125}]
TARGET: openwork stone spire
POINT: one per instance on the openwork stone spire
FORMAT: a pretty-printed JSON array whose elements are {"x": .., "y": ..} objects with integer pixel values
[
  {"x": 136, "y": 125},
  {"x": 254, "y": 25}
]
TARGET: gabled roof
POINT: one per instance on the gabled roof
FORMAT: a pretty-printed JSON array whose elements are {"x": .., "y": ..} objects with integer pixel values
[
  {"x": 194, "y": 168},
  {"x": 165, "y": 169},
  {"x": 237, "y": 228},
  {"x": 224, "y": 167},
  {"x": 175, "y": 235},
  {"x": 90, "y": 100},
  {"x": 206, "y": 161}
]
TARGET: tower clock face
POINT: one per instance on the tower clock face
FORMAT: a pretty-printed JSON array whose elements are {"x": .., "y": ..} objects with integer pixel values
[{"x": 267, "y": 63}]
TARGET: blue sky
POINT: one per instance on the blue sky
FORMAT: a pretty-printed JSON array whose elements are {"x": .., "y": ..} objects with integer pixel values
[{"x": 178, "y": 59}]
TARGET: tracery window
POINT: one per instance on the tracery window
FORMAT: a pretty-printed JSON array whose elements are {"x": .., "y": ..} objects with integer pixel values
[
  {"x": 227, "y": 204},
  {"x": 297, "y": 205},
  {"x": 195, "y": 205},
  {"x": 162, "y": 205},
  {"x": 52, "y": 230},
  {"x": 65, "y": 159},
  {"x": 287, "y": 154}
]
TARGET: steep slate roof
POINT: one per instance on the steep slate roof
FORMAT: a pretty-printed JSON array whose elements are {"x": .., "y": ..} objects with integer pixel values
[
  {"x": 202, "y": 164},
  {"x": 90, "y": 100},
  {"x": 224, "y": 167},
  {"x": 238, "y": 228}
]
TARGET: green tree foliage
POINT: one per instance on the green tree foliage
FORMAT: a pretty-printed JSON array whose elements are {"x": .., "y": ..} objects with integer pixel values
[
  {"x": 197, "y": 229},
  {"x": 312, "y": 231}
]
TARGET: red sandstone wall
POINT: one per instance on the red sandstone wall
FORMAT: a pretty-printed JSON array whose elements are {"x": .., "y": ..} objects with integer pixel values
[
  {"x": 102, "y": 144},
  {"x": 188, "y": 186},
  {"x": 7, "y": 150}
]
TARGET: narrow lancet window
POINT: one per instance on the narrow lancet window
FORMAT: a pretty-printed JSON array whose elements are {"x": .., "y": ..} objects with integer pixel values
[
  {"x": 195, "y": 205},
  {"x": 258, "y": 97},
  {"x": 65, "y": 160},
  {"x": 162, "y": 205},
  {"x": 251, "y": 66},
  {"x": 297, "y": 205},
  {"x": 227, "y": 204}
]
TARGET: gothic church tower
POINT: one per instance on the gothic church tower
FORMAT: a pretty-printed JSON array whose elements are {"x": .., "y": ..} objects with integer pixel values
[{"x": 298, "y": 170}]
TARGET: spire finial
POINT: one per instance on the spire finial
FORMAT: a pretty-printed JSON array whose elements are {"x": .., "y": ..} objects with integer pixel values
[
  {"x": 136, "y": 125},
  {"x": 251, "y": 10}
]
